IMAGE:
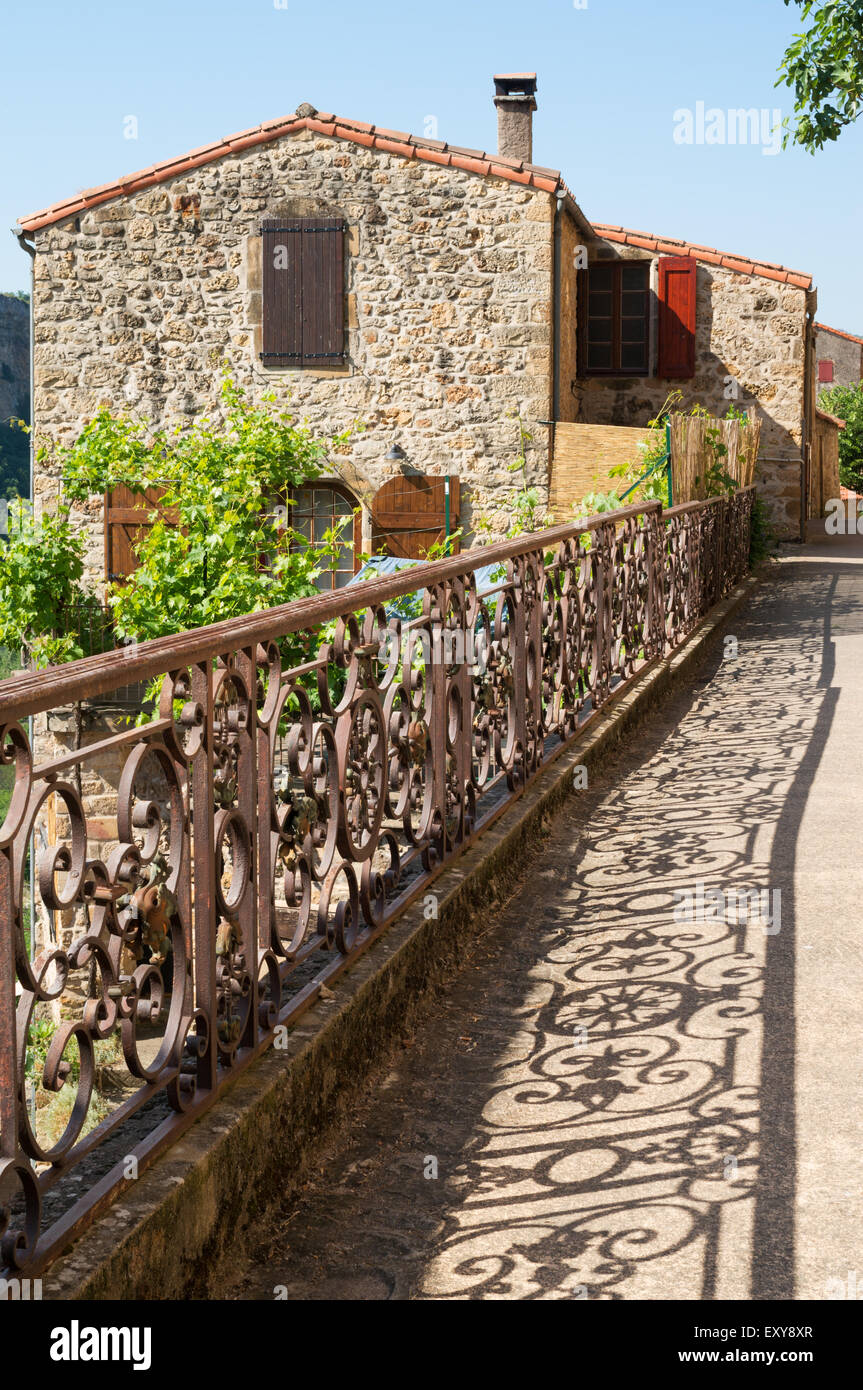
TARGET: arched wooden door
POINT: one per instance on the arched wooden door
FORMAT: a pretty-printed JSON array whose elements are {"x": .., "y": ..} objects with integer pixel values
[{"x": 409, "y": 514}]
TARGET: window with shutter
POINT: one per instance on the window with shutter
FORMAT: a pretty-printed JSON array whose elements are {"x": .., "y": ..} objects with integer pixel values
[
  {"x": 676, "y": 294},
  {"x": 614, "y": 319},
  {"x": 303, "y": 292}
]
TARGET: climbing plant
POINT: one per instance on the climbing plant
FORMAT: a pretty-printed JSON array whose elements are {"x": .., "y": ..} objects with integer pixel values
[
  {"x": 220, "y": 544},
  {"x": 45, "y": 611}
]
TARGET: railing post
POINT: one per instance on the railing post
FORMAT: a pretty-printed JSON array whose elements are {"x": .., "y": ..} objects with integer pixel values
[
  {"x": 205, "y": 874},
  {"x": 519, "y": 671},
  {"x": 247, "y": 805},
  {"x": 9, "y": 1092}
]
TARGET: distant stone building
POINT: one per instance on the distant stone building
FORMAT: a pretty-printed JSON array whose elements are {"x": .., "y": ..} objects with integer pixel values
[
  {"x": 839, "y": 357},
  {"x": 447, "y": 297}
]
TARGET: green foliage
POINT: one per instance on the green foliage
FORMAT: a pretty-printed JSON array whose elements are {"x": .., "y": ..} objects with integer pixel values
[
  {"x": 651, "y": 466},
  {"x": 23, "y": 295},
  {"x": 41, "y": 1035},
  {"x": 595, "y": 503},
  {"x": 761, "y": 540},
  {"x": 847, "y": 403},
  {"x": 441, "y": 549},
  {"x": 41, "y": 598},
  {"x": 823, "y": 67},
  {"x": 219, "y": 546}
]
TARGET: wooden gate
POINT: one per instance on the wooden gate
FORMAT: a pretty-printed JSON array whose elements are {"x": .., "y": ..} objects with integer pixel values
[{"x": 409, "y": 514}]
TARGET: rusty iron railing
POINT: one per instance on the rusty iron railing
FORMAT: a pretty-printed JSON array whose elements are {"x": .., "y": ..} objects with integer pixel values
[{"x": 298, "y": 785}]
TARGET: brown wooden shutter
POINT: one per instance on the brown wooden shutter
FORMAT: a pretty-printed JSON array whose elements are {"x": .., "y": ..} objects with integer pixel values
[
  {"x": 409, "y": 515},
  {"x": 127, "y": 518},
  {"x": 303, "y": 292},
  {"x": 677, "y": 317}
]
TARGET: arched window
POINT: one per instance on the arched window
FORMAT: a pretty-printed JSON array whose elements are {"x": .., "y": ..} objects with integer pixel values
[{"x": 319, "y": 507}]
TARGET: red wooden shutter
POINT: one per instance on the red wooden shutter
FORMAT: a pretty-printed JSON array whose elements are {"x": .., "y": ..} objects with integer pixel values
[
  {"x": 303, "y": 292},
  {"x": 677, "y": 317},
  {"x": 409, "y": 515}
]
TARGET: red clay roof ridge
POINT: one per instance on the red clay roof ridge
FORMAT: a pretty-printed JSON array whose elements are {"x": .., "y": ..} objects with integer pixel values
[
  {"x": 306, "y": 117},
  {"x": 744, "y": 265},
  {"x": 840, "y": 332}
]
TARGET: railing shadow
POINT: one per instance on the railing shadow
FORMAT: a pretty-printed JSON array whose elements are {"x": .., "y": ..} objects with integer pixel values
[{"x": 639, "y": 1138}]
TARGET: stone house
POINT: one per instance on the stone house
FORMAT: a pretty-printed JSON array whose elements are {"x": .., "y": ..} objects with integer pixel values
[
  {"x": 839, "y": 357},
  {"x": 450, "y": 299},
  {"x": 721, "y": 329}
]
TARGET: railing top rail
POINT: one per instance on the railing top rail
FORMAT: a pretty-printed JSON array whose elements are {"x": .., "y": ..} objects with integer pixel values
[{"x": 33, "y": 692}]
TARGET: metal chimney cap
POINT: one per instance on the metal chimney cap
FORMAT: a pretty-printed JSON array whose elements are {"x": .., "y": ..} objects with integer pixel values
[{"x": 515, "y": 84}]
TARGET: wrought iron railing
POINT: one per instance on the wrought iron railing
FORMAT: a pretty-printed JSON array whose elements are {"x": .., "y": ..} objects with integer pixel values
[{"x": 308, "y": 772}]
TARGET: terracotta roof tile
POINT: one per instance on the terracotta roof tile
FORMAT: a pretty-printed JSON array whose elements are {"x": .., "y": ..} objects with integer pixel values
[
  {"x": 401, "y": 136},
  {"x": 470, "y": 154},
  {"x": 395, "y": 147},
  {"x": 409, "y": 147},
  {"x": 852, "y": 337},
  {"x": 435, "y": 156},
  {"x": 322, "y": 127},
  {"x": 355, "y": 125},
  {"x": 671, "y": 246},
  {"x": 358, "y": 137},
  {"x": 473, "y": 166},
  {"x": 825, "y": 415},
  {"x": 498, "y": 171},
  {"x": 324, "y": 123}
]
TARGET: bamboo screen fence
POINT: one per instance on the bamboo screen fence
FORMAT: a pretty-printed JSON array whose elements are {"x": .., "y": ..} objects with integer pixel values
[{"x": 692, "y": 452}]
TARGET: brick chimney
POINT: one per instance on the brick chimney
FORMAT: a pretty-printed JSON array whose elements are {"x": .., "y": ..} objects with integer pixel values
[{"x": 515, "y": 99}]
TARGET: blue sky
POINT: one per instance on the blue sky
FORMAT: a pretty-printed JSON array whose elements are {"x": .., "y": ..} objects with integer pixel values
[{"x": 612, "y": 74}]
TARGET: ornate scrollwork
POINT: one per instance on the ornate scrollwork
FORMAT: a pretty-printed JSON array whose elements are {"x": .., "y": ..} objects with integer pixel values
[{"x": 284, "y": 801}]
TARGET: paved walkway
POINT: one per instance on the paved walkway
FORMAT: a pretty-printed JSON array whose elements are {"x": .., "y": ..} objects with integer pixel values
[{"x": 629, "y": 1093}]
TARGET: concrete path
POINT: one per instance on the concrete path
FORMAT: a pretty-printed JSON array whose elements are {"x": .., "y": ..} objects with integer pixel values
[{"x": 645, "y": 1085}]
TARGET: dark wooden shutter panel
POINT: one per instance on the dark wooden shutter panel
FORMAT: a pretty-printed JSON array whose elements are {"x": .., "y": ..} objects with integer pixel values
[
  {"x": 409, "y": 515},
  {"x": 677, "y": 317},
  {"x": 282, "y": 292},
  {"x": 303, "y": 292},
  {"x": 127, "y": 518},
  {"x": 323, "y": 293}
]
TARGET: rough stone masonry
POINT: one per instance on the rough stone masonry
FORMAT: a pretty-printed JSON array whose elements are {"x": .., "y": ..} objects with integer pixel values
[{"x": 140, "y": 301}]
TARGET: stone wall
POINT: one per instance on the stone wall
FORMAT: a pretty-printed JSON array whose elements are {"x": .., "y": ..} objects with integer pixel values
[
  {"x": 846, "y": 354},
  {"x": 449, "y": 311},
  {"x": 750, "y": 330}
]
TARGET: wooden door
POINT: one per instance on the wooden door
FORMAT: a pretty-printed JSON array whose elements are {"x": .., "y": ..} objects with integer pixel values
[{"x": 409, "y": 515}]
